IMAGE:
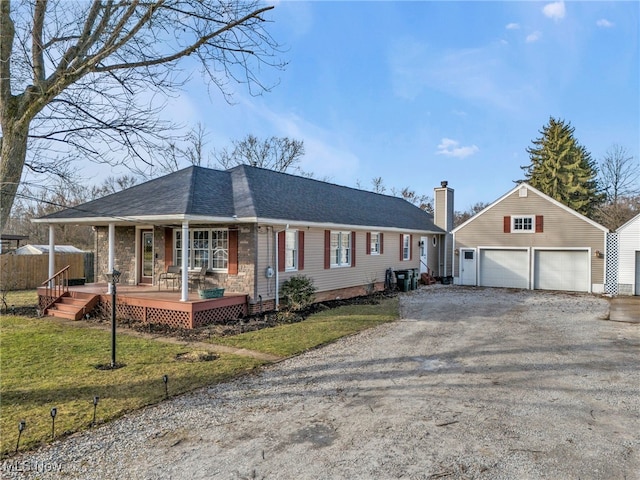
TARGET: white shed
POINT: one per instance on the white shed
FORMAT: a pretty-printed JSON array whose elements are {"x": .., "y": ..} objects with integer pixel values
[
  {"x": 629, "y": 257},
  {"x": 44, "y": 249}
]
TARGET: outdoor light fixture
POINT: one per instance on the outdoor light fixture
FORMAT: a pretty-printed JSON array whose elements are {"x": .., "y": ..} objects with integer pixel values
[
  {"x": 54, "y": 412},
  {"x": 95, "y": 406},
  {"x": 165, "y": 379},
  {"x": 113, "y": 277},
  {"x": 21, "y": 426}
]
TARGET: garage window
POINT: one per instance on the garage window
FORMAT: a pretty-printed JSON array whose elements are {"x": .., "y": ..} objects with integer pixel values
[{"x": 522, "y": 224}]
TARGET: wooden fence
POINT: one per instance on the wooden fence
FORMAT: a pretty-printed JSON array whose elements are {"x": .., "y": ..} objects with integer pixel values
[{"x": 24, "y": 272}]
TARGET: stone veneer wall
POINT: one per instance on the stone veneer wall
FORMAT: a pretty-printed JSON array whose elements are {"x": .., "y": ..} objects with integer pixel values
[
  {"x": 125, "y": 258},
  {"x": 243, "y": 282}
]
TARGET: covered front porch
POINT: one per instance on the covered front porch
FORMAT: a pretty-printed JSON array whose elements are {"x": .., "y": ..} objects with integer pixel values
[{"x": 149, "y": 305}]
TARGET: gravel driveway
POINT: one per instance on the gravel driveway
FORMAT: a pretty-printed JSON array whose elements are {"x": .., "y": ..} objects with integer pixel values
[{"x": 471, "y": 383}]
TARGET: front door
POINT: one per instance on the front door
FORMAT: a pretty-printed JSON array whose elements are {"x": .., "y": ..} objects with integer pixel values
[
  {"x": 423, "y": 254},
  {"x": 146, "y": 257},
  {"x": 467, "y": 267}
]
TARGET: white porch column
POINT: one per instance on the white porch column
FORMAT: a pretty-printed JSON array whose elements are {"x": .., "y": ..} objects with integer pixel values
[
  {"x": 185, "y": 261},
  {"x": 112, "y": 252},
  {"x": 52, "y": 251}
]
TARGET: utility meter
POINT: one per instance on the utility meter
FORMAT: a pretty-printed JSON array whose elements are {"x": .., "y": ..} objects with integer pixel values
[{"x": 268, "y": 272}]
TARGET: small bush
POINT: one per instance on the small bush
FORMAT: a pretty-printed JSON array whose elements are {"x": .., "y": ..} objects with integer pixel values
[{"x": 297, "y": 293}]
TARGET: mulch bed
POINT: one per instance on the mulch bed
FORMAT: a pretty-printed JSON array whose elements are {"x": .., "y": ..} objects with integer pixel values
[{"x": 240, "y": 325}]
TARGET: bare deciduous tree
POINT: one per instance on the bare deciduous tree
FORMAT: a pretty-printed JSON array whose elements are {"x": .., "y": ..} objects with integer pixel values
[
  {"x": 620, "y": 180},
  {"x": 275, "y": 153},
  {"x": 79, "y": 77}
]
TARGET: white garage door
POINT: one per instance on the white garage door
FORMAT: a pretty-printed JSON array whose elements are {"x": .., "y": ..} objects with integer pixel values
[
  {"x": 561, "y": 270},
  {"x": 504, "y": 268}
]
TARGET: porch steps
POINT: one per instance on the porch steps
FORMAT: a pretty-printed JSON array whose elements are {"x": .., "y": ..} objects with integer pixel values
[
  {"x": 73, "y": 305},
  {"x": 427, "y": 279}
]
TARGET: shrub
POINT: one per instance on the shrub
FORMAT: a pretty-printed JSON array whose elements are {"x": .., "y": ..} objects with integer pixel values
[{"x": 297, "y": 293}]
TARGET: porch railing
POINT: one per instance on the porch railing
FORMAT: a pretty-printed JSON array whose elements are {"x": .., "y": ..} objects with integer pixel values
[{"x": 56, "y": 286}]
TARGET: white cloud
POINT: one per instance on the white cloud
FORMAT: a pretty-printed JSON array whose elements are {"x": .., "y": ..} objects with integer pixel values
[
  {"x": 513, "y": 26},
  {"x": 554, "y": 10},
  {"x": 533, "y": 37},
  {"x": 604, "y": 23},
  {"x": 451, "y": 148}
]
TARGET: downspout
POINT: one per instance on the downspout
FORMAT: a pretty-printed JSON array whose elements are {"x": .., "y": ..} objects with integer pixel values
[{"x": 277, "y": 269}]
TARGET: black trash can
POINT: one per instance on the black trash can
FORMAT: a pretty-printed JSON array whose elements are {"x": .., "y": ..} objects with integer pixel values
[
  {"x": 402, "y": 279},
  {"x": 414, "y": 279}
]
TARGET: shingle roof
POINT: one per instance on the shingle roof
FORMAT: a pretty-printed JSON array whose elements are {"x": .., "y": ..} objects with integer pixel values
[{"x": 251, "y": 192}]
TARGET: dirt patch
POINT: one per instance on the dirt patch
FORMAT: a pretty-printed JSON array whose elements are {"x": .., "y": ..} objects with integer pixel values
[{"x": 471, "y": 384}]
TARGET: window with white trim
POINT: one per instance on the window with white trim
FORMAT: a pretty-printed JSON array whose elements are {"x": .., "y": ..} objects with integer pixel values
[
  {"x": 340, "y": 249},
  {"x": 374, "y": 245},
  {"x": 406, "y": 247},
  {"x": 291, "y": 250},
  {"x": 522, "y": 224},
  {"x": 208, "y": 248}
]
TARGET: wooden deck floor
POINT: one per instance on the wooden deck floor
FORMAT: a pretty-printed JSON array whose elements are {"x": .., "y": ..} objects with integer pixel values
[{"x": 150, "y": 305}]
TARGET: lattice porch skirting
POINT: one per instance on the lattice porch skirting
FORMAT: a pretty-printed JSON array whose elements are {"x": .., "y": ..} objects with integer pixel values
[{"x": 178, "y": 314}]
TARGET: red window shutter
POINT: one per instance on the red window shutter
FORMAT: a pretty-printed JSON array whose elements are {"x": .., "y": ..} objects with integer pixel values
[
  {"x": 300, "y": 250},
  {"x": 539, "y": 224},
  {"x": 507, "y": 224},
  {"x": 368, "y": 245},
  {"x": 410, "y": 247},
  {"x": 381, "y": 243},
  {"x": 401, "y": 246},
  {"x": 168, "y": 246},
  {"x": 281, "y": 250},
  {"x": 327, "y": 249},
  {"x": 232, "y": 266},
  {"x": 353, "y": 249}
]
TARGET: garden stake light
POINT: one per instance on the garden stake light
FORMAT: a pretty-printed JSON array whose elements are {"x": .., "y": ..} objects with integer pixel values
[
  {"x": 54, "y": 412},
  {"x": 95, "y": 405},
  {"x": 165, "y": 379},
  {"x": 21, "y": 427}
]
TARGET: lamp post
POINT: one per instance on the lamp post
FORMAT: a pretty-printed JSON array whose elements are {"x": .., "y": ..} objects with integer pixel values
[{"x": 113, "y": 277}]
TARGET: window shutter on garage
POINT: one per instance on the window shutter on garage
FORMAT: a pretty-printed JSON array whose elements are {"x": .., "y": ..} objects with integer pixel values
[
  {"x": 300, "y": 250},
  {"x": 401, "y": 246},
  {"x": 381, "y": 243},
  {"x": 232, "y": 266},
  {"x": 368, "y": 244},
  {"x": 327, "y": 249},
  {"x": 281, "y": 249},
  {"x": 507, "y": 224},
  {"x": 539, "y": 224}
]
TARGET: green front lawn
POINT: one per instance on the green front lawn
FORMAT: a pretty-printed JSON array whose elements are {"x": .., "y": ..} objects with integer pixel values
[
  {"x": 46, "y": 364},
  {"x": 319, "y": 329}
]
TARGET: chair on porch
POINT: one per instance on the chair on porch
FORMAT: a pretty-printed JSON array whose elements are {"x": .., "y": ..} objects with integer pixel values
[
  {"x": 197, "y": 277},
  {"x": 171, "y": 275}
]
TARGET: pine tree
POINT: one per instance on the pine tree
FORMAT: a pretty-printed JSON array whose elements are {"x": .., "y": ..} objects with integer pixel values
[{"x": 563, "y": 169}]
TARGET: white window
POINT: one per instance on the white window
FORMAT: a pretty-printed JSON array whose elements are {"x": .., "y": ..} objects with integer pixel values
[
  {"x": 291, "y": 250},
  {"x": 340, "y": 249},
  {"x": 375, "y": 243},
  {"x": 207, "y": 248},
  {"x": 522, "y": 224},
  {"x": 406, "y": 247}
]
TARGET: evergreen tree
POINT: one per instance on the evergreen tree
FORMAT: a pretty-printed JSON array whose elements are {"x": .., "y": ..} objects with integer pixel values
[{"x": 563, "y": 169}]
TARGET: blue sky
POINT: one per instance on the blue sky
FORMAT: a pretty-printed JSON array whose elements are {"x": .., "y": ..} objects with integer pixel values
[{"x": 419, "y": 92}]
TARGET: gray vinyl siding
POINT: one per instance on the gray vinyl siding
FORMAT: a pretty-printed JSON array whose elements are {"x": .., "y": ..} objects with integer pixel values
[
  {"x": 369, "y": 268},
  {"x": 561, "y": 229}
]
